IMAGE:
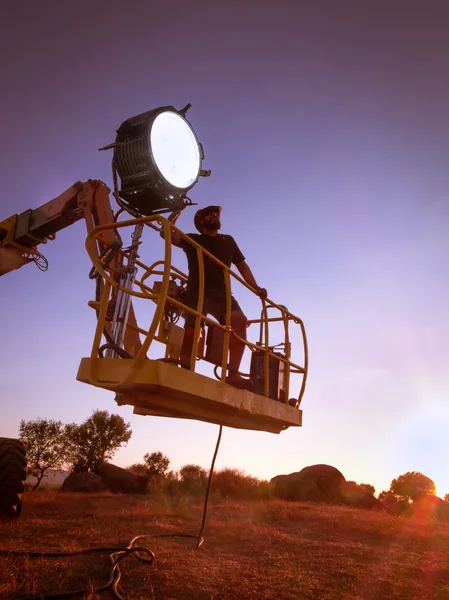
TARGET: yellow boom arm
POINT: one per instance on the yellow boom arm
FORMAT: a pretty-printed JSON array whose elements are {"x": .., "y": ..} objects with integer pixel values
[{"x": 21, "y": 234}]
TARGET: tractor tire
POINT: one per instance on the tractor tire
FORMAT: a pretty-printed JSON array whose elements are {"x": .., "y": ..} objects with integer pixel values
[{"x": 13, "y": 465}]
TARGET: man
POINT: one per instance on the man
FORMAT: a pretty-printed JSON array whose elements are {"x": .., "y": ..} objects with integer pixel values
[{"x": 223, "y": 247}]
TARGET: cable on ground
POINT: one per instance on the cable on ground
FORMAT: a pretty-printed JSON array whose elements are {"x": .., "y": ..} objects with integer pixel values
[{"x": 118, "y": 554}]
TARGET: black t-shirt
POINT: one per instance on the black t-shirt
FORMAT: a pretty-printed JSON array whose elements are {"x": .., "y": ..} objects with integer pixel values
[{"x": 223, "y": 247}]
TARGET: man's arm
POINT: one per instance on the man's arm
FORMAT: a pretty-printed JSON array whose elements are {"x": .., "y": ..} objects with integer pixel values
[{"x": 247, "y": 275}]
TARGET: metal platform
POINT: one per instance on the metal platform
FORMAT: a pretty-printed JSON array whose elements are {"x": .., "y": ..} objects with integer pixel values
[{"x": 161, "y": 389}]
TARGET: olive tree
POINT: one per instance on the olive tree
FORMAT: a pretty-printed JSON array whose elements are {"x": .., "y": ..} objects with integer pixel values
[
  {"x": 96, "y": 440},
  {"x": 412, "y": 484},
  {"x": 45, "y": 444},
  {"x": 155, "y": 465},
  {"x": 193, "y": 478}
]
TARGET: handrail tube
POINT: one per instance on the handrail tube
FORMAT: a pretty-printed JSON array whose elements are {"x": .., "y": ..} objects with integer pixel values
[
  {"x": 225, "y": 351},
  {"x": 141, "y": 355},
  {"x": 266, "y": 370},
  {"x": 199, "y": 306},
  {"x": 150, "y": 271}
]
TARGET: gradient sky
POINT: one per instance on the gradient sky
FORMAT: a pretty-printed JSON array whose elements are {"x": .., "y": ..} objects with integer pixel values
[{"x": 326, "y": 127}]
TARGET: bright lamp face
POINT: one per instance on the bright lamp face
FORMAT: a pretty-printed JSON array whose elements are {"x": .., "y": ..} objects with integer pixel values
[{"x": 175, "y": 149}]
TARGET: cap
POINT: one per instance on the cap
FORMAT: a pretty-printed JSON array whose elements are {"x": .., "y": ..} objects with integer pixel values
[{"x": 201, "y": 213}]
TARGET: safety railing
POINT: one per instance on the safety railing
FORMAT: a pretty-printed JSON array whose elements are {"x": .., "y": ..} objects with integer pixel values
[{"x": 112, "y": 287}]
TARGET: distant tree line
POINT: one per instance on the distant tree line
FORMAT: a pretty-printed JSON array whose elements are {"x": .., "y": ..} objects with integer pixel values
[
  {"x": 193, "y": 479},
  {"x": 84, "y": 448}
]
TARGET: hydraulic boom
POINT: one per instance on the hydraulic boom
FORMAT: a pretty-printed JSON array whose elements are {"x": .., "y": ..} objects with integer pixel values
[{"x": 21, "y": 234}]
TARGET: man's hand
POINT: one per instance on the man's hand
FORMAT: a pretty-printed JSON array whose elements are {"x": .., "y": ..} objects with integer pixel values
[
  {"x": 262, "y": 293},
  {"x": 247, "y": 275}
]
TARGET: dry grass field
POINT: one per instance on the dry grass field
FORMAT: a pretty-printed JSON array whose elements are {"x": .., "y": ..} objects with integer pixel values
[{"x": 271, "y": 550}]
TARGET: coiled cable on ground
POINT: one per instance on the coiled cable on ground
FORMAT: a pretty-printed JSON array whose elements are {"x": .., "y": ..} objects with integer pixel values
[{"x": 118, "y": 554}]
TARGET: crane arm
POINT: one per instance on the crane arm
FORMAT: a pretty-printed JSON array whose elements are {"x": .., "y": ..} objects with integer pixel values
[{"x": 20, "y": 234}]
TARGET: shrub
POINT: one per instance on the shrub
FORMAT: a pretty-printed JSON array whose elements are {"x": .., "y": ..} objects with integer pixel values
[{"x": 235, "y": 484}]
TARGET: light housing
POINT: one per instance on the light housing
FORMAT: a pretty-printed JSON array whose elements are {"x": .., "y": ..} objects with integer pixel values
[{"x": 158, "y": 158}]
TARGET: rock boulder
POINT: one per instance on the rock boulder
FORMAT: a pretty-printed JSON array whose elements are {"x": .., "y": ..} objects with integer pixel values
[
  {"x": 316, "y": 483},
  {"x": 121, "y": 481},
  {"x": 83, "y": 482}
]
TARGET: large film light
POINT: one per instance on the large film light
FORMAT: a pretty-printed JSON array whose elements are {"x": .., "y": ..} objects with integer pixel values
[{"x": 158, "y": 158}]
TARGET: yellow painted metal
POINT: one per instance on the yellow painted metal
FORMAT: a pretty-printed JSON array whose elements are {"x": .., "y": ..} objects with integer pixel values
[
  {"x": 13, "y": 255},
  {"x": 8, "y": 225},
  {"x": 173, "y": 336},
  {"x": 161, "y": 389}
]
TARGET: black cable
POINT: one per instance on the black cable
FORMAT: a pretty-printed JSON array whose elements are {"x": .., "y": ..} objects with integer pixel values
[
  {"x": 200, "y": 538},
  {"x": 57, "y": 554},
  {"x": 120, "y": 351},
  {"x": 40, "y": 261},
  {"x": 106, "y": 257},
  {"x": 118, "y": 213},
  {"x": 118, "y": 554}
]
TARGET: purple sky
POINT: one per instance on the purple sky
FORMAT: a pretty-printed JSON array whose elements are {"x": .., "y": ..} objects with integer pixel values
[{"x": 326, "y": 127}]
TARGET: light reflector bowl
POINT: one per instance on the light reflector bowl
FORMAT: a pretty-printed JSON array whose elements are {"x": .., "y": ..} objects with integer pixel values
[
  {"x": 175, "y": 150},
  {"x": 158, "y": 158}
]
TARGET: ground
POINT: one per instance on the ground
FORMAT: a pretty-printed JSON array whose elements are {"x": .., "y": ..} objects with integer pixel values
[{"x": 271, "y": 550}]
